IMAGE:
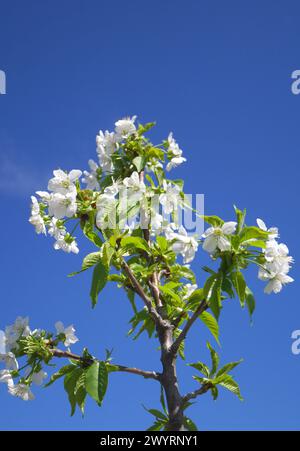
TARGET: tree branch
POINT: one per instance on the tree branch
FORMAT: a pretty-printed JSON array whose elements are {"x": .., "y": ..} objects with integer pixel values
[
  {"x": 202, "y": 306},
  {"x": 193, "y": 394},
  {"x": 147, "y": 301},
  {"x": 122, "y": 368}
]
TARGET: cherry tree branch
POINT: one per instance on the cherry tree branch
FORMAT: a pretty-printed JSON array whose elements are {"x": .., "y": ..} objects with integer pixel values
[
  {"x": 193, "y": 394},
  {"x": 122, "y": 368},
  {"x": 200, "y": 309},
  {"x": 140, "y": 291}
]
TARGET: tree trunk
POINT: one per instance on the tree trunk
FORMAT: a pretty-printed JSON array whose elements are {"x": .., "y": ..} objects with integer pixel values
[{"x": 170, "y": 383}]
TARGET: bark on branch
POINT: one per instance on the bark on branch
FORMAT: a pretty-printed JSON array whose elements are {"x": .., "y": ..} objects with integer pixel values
[
  {"x": 201, "y": 308},
  {"x": 122, "y": 368},
  {"x": 193, "y": 394}
]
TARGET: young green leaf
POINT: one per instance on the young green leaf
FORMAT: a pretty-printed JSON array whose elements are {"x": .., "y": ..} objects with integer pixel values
[
  {"x": 239, "y": 285},
  {"x": 227, "y": 368},
  {"x": 70, "y": 382},
  {"x": 96, "y": 380},
  {"x": 189, "y": 424},
  {"x": 214, "y": 359},
  {"x": 229, "y": 383},
  {"x": 250, "y": 301},
  {"x": 211, "y": 323},
  {"x": 98, "y": 281},
  {"x": 60, "y": 373}
]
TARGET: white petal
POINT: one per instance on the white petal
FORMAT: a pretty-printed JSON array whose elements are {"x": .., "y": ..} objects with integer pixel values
[
  {"x": 229, "y": 227},
  {"x": 210, "y": 244},
  {"x": 261, "y": 224}
]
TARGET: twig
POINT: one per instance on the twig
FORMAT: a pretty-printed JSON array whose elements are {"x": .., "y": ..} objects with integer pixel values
[
  {"x": 146, "y": 374},
  {"x": 193, "y": 394},
  {"x": 140, "y": 291},
  {"x": 200, "y": 309}
]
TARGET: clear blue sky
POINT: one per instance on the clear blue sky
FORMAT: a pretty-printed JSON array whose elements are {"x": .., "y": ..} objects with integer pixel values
[{"x": 218, "y": 75}]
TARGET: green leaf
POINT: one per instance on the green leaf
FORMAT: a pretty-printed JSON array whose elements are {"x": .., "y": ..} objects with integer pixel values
[
  {"x": 200, "y": 366},
  {"x": 250, "y": 301},
  {"x": 89, "y": 260},
  {"x": 215, "y": 392},
  {"x": 253, "y": 232},
  {"x": 107, "y": 254},
  {"x": 130, "y": 295},
  {"x": 166, "y": 290},
  {"x": 157, "y": 413},
  {"x": 162, "y": 243},
  {"x": 157, "y": 426},
  {"x": 240, "y": 216},
  {"x": 229, "y": 383},
  {"x": 70, "y": 381},
  {"x": 214, "y": 221},
  {"x": 189, "y": 424},
  {"x": 228, "y": 367},
  {"x": 80, "y": 392},
  {"x": 135, "y": 242},
  {"x": 239, "y": 285},
  {"x": 88, "y": 231},
  {"x": 96, "y": 380},
  {"x": 139, "y": 163},
  {"x": 162, "y": 400},
  {"x": 60, "y": 373},
  {"x": 212, "y": 293},
  {"x": 214, "y": 359},
  {"x": 98, "y": 282},
  {"x": 211, "y": 323}
]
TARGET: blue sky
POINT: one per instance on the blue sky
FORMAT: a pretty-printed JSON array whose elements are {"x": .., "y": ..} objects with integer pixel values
[{"x": 218, "y": 74}]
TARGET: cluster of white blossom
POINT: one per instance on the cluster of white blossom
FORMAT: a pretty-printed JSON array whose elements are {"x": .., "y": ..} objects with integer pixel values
[
  {"x": 108, "y": 142},
  {"x": 174, "y": 153},
  {"x": 9, "y": 348},
  {"x": 277, "y": 262},
  {"x": 61, "y": 203}
]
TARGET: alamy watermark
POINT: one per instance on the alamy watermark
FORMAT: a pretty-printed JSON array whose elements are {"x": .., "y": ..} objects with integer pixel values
[
  {"x": 296, "y": 343},
  {"x": 2, "y": 82},
  {"x": 295, "y": 86}
]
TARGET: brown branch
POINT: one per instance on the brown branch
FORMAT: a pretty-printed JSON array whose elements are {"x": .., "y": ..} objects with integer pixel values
[
  {"x": 200, "y": 309},
  {"x": 140, "y": 291},
  {"x": 153, "y": 282},
  {"x": 122, "y": 368},
  {"x": 193, "y": 394}
]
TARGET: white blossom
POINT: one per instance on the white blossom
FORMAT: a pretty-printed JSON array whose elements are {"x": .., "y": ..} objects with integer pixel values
[
  {"x": 36, "y": 219},
  {"x": 36, "y": 378},
  {"x": 183, "y": 243},
  {"x": 10, "y": 361},
  {"x": 216, "y": 237},
  {"x": 276, "y": 267},
  {"x": 63, "y": 183},
  {"x": 91, "y": 178},
  {"x": 69, "y": 332},
  {"x": 273, "y": 231},
  {"x": 106, "y": 146},
  {"x": 175, "y": 152},
  {"x": 6, "y": 377},
  {"x": 106, "y": 142},
  {"x": 106, "y": 203},
  {"x": 67, "y": 244},
  {"x": 21, "y": 391},
  {"x": 136, "y": 187},
  {"x": 15, "y": 331},
  {"x": 170, "y": 198},
  {"x": 55, "y": 229},
  {"x": 62, "y": 205},
  {"x": 125, "y": 127}
]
